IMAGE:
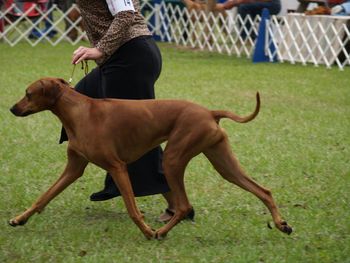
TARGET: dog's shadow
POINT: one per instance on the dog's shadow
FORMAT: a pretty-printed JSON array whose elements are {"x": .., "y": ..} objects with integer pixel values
[{"x": 97, "y": 215}]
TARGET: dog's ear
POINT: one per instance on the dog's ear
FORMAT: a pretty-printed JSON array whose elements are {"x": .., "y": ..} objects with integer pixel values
[
  {"x": 50, "y": 88},
  {"x": 62, "y": 81}
]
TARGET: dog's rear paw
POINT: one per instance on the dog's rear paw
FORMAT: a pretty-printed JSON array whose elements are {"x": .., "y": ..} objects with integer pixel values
[
  {"x": 160, "y": 236},
  {"x": 285, "y": 228}
]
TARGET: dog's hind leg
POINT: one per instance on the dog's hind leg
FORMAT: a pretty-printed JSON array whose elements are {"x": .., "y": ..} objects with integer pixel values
[
  {"x": 74, "y": 169},
  {"x": 120, "y": 177},
  {"x": 223, "y": 160}
]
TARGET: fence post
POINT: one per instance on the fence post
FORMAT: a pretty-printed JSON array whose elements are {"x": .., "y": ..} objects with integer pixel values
[
  {"x": 263, "y": 42},
  {"x": 154, "y": 20}
]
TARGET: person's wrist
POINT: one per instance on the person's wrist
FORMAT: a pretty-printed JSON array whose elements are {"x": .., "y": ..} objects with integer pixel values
[{"x": 98, "y": 51}]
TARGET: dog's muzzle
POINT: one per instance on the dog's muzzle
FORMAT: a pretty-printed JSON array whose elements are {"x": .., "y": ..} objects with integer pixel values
[{"x": 16, "y": 111}]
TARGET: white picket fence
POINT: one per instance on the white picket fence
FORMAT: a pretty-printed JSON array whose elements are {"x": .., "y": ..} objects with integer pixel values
[
  {"x": 296, "y": 38},
  {"x": 310, "y": 39},
  {"x": 18, "y": 26}
]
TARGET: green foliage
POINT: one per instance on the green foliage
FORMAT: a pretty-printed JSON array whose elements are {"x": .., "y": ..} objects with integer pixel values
[{"x": 299, "y": 147}]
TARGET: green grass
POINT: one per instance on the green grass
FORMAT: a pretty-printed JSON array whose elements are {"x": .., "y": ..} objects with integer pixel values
[{"x": 299, "y": 147}]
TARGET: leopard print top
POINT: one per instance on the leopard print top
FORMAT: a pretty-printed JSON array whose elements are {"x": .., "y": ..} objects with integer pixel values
[{"x": 107, "y": 32}]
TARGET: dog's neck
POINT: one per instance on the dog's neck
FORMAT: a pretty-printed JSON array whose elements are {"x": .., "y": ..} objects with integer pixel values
[{"x": 68, "y": 109}]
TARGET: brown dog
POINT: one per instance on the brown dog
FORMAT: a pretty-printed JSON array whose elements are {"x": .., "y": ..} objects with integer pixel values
[{"x": 124, "y": 130}]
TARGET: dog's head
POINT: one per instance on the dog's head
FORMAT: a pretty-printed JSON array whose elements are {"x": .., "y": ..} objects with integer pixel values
[{"x": 40, "y": 95}]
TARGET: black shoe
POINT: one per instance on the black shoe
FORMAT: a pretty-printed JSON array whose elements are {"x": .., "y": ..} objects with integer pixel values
[
  {"x": 190, "y": 215},
  {"x": 102, "y": 196},
  {"x": 110, "y": 191}
]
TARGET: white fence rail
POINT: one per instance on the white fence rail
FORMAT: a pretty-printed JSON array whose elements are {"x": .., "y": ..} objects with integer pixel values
[
  {"x": 223, "y": 33},
  {"x": 311, "y": 39},
  {"x": 39, "y": 23},
  {"x": 296, "y": 38}
]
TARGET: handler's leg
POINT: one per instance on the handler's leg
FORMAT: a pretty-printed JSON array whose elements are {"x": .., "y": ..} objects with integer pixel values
[{"x": 130, "y": 74}]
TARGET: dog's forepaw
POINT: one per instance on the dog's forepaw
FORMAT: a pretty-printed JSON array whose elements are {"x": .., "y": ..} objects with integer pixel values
[
  {"x": 285, "y": 228},
  {"x": 15, "y": 222},
  {"x": 150, "y": 234}
]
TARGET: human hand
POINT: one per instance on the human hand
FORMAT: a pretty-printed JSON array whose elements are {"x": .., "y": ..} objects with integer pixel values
[
  {"x": 336, "y": 9},
  {"x": 86, "y": 53},
  {"x": 233, "y": 3}
]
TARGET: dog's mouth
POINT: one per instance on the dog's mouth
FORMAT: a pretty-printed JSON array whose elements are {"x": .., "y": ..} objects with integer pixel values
[
  {"x": 18, "y": 113},
  {"x": 26, "y": 113}
]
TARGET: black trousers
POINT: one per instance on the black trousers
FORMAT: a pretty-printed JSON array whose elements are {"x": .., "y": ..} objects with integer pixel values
[{"x": 130, "y": 74}]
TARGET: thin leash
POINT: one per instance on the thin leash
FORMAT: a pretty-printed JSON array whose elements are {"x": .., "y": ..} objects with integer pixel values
[{"x": 84, "y": 66}]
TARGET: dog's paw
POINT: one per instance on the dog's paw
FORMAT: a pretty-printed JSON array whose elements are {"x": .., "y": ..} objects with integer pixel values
[
  {"x": 15, "y": 222},
  {"x": 149, "y": 233},
  {"x": 285, "y": 228},
  {"x": 160, "y": 236}
]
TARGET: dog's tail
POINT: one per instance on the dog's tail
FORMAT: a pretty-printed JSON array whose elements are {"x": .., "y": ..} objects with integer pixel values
[{"x": 219, "y": 114}]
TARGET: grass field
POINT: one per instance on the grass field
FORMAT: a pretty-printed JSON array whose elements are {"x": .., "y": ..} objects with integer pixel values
[{"x": 299, "y": 147}]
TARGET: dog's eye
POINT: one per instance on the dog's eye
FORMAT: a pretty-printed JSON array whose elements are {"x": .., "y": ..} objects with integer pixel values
[{"x": 28, "y": 95}]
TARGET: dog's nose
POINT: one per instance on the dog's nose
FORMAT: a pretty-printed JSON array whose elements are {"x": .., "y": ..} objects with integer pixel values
[{"x": 14, "y": 110}]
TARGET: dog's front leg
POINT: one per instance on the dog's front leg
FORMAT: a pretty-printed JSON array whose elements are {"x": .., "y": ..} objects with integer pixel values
[
  {"x": 74, "y": 169},
  {"x": 120, "y": 176}
]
